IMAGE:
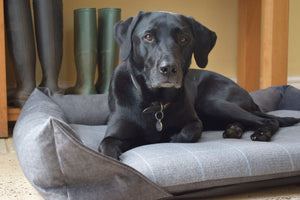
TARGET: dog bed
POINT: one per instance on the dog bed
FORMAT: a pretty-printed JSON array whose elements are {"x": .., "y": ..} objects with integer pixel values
[{"x": 56, "y": 139}]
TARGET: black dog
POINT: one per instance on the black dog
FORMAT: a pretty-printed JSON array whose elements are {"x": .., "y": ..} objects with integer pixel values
[{"x": 154, "y": 97}]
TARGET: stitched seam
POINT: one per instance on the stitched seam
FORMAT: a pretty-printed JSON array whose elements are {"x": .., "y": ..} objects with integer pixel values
[
  {"x": 243, "y": 154},
  {"x": 98, "y": 155},
  {"x": 197, "y": 160},
  {"x": 58, "y": 158},
  {"x": 148, "y": 165},
  {"x": 289, "y": 155}
]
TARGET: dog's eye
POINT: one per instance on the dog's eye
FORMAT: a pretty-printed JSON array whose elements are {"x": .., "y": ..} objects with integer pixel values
[
  {"x": 148, "y": 37},
  {"x": 182, "y": 39}
]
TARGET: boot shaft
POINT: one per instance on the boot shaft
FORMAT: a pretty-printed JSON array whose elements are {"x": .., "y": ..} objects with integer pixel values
[{"x": 108, "y": 51}]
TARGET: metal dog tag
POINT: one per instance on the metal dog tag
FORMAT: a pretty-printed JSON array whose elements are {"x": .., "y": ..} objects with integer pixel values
[
  {"x": 159, "y": 116},
  {"x": 158, "y": 109},
  {"x": 159, "y": 126}
]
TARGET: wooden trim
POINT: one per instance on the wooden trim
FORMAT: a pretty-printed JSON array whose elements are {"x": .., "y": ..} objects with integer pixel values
[
  {"x": 275, "y": 42},
  {"x": 3, "y": 95},
  {"x": 13, "y": 113},
  {"x": 249, "y": 44}
]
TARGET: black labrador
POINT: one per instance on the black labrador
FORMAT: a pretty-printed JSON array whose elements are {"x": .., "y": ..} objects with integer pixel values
[{"x": 155, "y": 97}]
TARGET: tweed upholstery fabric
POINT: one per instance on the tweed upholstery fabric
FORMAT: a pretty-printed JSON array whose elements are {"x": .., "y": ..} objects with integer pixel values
[
  {"x": 60, "y": 167},
  {"x": 183, "y": 167},
  {"x": 212, "y": 161},
  {"x": 57, "y": 145}
]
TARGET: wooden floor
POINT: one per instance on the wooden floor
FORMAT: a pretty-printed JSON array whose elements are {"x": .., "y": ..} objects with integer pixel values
[{"x": 14, "y": 185}]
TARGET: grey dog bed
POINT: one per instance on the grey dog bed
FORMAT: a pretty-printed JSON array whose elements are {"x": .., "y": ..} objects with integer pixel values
[{"x": 56, "y": 139}]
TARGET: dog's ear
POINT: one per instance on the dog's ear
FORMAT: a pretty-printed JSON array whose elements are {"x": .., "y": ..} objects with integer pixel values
[
  {"x": 205, "y": 40},
  {"x": 123, "y": 31}
]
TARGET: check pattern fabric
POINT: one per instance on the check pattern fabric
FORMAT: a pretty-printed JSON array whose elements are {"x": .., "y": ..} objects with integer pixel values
[
  {"x": 180, "y": 166},
  {"x": 56, "y": 139}
]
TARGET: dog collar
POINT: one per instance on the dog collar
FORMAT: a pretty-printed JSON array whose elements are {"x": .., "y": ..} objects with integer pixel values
[
  {"x": 156, "y": 107},
  {"x": 135, "y": 84}
]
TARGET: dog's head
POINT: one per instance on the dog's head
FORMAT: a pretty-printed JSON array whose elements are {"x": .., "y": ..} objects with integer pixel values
[{"x": 160, "y": 46}]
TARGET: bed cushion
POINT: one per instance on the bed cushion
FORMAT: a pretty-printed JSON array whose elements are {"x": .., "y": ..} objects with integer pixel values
[
  {"x": 58, "y": 164},
  {"x": 57, "y": 151},
  {"x": 290, "y": 98},
  {"x": 267, "y": 99},
  {"x": 284, "y": 97},
  {"x": 214, "y": 161}
]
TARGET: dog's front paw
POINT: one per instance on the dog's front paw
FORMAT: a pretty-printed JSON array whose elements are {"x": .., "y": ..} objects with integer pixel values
[
  {"x": 110, "y": 148},
  {"x": 176, "y": 138},
  {"x": 261, "y": 134},
  {"x": 113, "y": 153},
  {"x": 233, "y": 131},
  {"x": 190, "y": 133}
]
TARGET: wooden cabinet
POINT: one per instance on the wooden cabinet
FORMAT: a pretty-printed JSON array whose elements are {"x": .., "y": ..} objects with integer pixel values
[
  {"x": 6, "y": 113},
  {"x": 3, "y": 101},
  {"x": 270, "y": 66},
  {"x": 262, "y": 55}
]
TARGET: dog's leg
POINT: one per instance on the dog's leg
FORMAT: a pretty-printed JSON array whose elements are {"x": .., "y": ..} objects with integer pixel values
[
  {"x": 121, "y": 135},
  {"x": 111, "y": 147},
  {"x": 225, "y": 111},
  {"x": 283, "y": 121},
  {"x": 265, "y": 132},
  {"x": 234, "y": 130},
  {"x": 190, "y": 133},
  {"x": 114, "y": 147}
]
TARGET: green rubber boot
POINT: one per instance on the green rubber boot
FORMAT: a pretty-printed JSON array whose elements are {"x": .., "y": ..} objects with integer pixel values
[
  {"x": 20, "y": 39},
  {"x": 85, "y": 50},
  {"x": 108, "y": 51}
]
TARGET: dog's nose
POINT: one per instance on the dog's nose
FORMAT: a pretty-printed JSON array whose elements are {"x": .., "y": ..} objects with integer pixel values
[{"x": 167, "y": 69}]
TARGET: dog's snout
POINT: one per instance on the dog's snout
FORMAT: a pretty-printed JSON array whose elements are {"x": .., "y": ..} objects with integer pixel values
[{"x": 166, "y": 68}]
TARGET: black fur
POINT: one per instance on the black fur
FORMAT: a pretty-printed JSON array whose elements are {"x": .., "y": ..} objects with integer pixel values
[{"x": 156, "y": 50}]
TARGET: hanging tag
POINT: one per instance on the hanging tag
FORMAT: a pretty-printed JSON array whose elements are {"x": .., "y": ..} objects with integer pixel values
[
  {"x": 159, "y": 116},
  {"x": 159, "y": 126}
]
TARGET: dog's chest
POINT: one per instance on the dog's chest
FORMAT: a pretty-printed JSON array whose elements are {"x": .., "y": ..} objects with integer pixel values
[{"x": 160, "y": 125}]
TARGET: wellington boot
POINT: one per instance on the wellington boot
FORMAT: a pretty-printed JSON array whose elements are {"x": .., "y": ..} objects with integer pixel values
[
  {"x": 108, "y": 53},
  {"x": 48, "y": 16},
  {"x": 85, "y": 50},
  {"x": 20, "y": 40}
]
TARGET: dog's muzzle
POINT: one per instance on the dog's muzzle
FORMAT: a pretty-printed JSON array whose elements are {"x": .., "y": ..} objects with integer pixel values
[
  {"x": 166, "y": 75},
  {"x": 167, "y": 69}
]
